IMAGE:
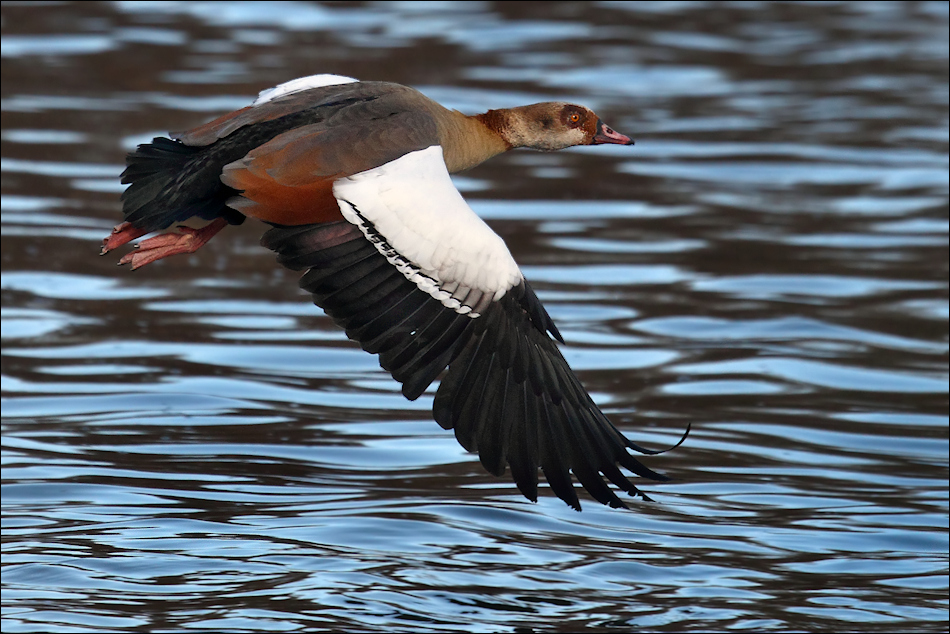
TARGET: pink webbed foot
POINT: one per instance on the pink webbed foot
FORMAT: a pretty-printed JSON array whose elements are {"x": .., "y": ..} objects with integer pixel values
[
  {"x": 121, "y": 234},
  {"x": 187, "y": 241}
]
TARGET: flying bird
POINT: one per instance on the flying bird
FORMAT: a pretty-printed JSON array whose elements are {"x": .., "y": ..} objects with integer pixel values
[{"x": 353, "y": 178}]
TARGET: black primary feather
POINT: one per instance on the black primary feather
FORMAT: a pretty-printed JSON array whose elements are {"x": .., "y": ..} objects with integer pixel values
[{"x": 508, "y": 393}]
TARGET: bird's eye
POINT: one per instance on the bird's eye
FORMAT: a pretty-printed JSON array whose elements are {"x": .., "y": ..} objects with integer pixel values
[{"x": 575, "y": 118}]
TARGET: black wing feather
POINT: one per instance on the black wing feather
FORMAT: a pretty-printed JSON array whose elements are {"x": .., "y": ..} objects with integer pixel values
[
  {"x": 475, "y": 406},
  {"x": 508, "y": 394},
  {"x": 553, "y": 449},
  {"x": 522, "y": 440}
]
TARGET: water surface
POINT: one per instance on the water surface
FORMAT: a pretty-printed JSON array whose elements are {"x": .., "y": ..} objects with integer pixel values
[{"x": 194, "y": 446}]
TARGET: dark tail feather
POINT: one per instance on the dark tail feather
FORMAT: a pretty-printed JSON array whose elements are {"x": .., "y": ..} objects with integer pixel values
[
  {"x": 151, "y": 170},
  {"x": 161, "y": 155},
  {"x": 169, "y": 183}
]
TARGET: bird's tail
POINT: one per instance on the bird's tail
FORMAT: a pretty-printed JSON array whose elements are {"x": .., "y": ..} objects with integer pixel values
[{"x": 171, "y": 182}]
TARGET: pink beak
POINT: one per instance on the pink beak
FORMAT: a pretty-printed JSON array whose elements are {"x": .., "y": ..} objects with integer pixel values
[{"x": 607, "y": 134}]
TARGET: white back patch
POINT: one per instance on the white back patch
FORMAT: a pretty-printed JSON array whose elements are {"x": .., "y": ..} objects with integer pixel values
[
  {"x": 300, "y": 84},
  {"x": 410, "y": 210}
]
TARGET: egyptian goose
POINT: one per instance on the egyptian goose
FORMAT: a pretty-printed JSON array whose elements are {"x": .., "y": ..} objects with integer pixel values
[{"x": 354, "y": 179}]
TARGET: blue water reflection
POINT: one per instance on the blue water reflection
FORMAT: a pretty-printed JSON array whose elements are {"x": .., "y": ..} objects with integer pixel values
[{"x": 195, "y": 447}]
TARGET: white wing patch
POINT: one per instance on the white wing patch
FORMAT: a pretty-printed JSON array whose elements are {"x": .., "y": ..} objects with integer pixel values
[
  {"x": 300, "y": 84},
  {"x": 412, "y": 212}
]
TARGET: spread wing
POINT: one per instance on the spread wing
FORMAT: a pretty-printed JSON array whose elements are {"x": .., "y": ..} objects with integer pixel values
[{"x": 416, "y": 277}]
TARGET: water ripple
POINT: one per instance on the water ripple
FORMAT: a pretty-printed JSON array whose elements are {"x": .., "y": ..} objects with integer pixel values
[{"x": 197, "y": 447}]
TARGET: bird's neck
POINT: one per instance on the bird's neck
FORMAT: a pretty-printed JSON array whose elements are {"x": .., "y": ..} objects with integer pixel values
[{"x": 468, "y": 141}]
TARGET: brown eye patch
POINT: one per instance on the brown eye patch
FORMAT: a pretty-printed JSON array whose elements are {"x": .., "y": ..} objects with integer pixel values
[{"x": 572, "y": 117}]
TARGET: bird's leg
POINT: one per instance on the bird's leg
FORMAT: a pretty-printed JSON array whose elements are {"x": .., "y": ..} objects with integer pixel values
[
  {"x": 121, "y": 234},
  {"x": 161, "y": 246}
]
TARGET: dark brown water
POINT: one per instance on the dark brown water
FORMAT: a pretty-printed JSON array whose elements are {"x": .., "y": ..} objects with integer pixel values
[{"x": 195, "y": 447}]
